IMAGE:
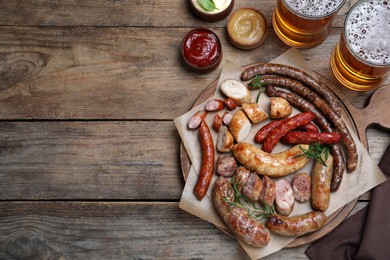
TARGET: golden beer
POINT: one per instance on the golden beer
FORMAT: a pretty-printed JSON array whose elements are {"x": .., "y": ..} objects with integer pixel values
[
  {"x": 361, "y": 59},
  {"x": 304, "y": 23}
]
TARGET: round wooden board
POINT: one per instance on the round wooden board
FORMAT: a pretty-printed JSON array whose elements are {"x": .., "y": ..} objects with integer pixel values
[{"x": 334, "y": 219}]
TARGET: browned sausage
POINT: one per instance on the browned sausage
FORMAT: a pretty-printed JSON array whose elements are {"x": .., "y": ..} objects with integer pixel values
[
  {"x": 196, "y": 119},
  {"x": 253, "y": 187},
  {"x": 336, "y": 150},
  {"x": 214, "y": 105},
  {"x": 326, "y": 109},
  {"x": 226, "y": 166},
  {"x": 309, "y": 128},
  {"x": 297, "y": 225},
  {"x": 284, "y": 199},
  {"x": 291, "y": 123},
  {"x": 297, "y": 137},
  {"x": 217, "y": 123},
  {"x": 266, "y": 129},
  {"x": 241, "y": 177},
  {"x": 229, "y": 103},
  {"x": 238, "y": 220},
  {"x": 320, "y": 184},
  {"x": 208, "y": 157},
  {"x": 268, "y": 192},
  {"x": 301, "y": 184},
  {"x": 295, "y": 73}
]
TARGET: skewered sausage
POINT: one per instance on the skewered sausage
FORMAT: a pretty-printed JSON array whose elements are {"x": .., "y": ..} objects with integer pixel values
[{"x": 208, "y": 157}]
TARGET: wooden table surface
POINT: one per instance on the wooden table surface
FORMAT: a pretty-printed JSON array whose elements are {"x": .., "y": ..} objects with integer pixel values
[{"x": 89, "y": 152}]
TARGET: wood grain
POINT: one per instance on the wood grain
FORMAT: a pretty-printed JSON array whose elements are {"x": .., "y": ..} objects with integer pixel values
[
  {"x": 89, "y": 160},
  {"x": 80, "y": 230},
  {"x": 108, "y": 230}
]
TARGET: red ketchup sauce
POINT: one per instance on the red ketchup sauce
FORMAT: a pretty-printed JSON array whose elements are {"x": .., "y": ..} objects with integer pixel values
[{"x": 201, "y": 48}]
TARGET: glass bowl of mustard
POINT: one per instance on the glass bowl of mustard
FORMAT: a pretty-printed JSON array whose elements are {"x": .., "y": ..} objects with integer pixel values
[{"x": 247, "y": 28}]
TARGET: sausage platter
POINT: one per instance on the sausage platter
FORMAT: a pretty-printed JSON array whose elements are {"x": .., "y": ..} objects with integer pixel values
[{"x": 347, "y": 109}]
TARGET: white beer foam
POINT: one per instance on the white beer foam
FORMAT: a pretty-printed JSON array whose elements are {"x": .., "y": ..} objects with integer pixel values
[
  {"x": 368, "y": 31},
  {"x": 313, "y": 8}
]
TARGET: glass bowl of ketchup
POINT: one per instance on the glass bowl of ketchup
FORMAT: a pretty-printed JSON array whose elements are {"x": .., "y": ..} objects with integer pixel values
[{"x": 201, "y": 50}]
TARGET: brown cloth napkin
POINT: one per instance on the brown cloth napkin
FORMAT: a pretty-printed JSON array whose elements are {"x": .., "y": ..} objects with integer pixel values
[{"x": 365, "y": 235}]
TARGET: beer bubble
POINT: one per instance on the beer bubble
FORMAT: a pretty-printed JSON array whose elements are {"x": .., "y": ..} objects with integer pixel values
[
  {"x": 313, "y": 8},
  {"x": 368, "y": 37}
]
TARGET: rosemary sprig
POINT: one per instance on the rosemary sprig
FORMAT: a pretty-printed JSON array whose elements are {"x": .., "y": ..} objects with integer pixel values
[
  {"x": 241, "y": 201},
  {"x": 315, "y": 151},
  {"x": 257, "y": 83}
]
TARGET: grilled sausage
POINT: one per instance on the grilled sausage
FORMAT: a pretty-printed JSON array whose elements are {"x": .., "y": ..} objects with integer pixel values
[
  {"x": 214, "y": 105},
  {"x": 309, "y": 128},
  {"x": 320, "y": 177},
  {"x": 266, "y": 129},
  {"x": 268, "y": 192},
  {"x": 295, "y": 73},
  {"x": 196, "y": 119},
  {"x": 291, "y": 123},
  {"x": 284, "y": 197},
  {"x": 297, "y": 225},
  {"x": 208, "y": 157},
  {"x": 326, "y": 109},
  {"x": 241, "y": 177},
  {"x": 297, "y": 137},
  {"x": 301, "y": 184},
  {"x": 336, "y": 151},
  {"x": 226, "y": 166},
  {"x": 238, "y": 220},
  {"x": 229, "y": 103},
  {"x": 226, "y": 118},
  {"x": 272, "y": 165},
  {"x": 217, "y": 123},
  {"x": 253, "y": 187}
]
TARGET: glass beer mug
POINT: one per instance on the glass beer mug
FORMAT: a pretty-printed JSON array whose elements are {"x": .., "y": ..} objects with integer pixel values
[
  {"x": 304, "y": 23},
  {"x": 361, "y": 59}
]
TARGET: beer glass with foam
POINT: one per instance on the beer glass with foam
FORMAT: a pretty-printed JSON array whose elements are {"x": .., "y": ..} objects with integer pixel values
[
  {"x": 304, "y": 23},
  {"x": 361, "y": 60}
]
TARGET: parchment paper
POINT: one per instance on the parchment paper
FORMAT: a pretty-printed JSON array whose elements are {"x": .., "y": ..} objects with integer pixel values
[{"x": 365, "y": 177}]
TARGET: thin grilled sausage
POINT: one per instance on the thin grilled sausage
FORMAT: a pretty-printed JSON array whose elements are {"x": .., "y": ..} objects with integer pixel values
[
  {"x": 295, "y": 73},
  {"x": 326, "y": 109},
  {"x": 290, "y": 124},
  {"x": 229, "y": 103},
  {"x": 266, "y": 129},
  {"x": 214, "y": 105},
  {"x": 217, "y": 123},
  {"x": 238, "y": 220},
  {"x": 297, "y": 225},
  {"x": 336, "y": 150},
  {"x": 196, "y": 119},
  {"x": 208, "y": 157},
  {"x": 309, "y": 128},
  {"x": 298, "y": 137}
]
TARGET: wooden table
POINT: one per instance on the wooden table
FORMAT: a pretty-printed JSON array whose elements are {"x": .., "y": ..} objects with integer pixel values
[{"x": 89, "y": 153}]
